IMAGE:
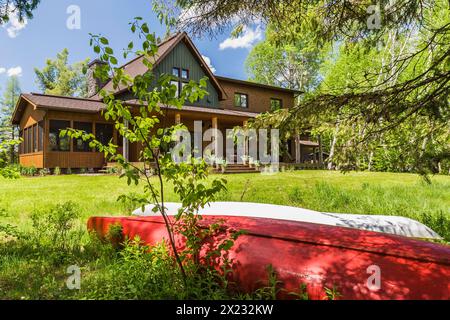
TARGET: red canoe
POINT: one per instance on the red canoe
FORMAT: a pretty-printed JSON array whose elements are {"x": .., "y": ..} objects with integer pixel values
[{"x": 318, "y": 256}]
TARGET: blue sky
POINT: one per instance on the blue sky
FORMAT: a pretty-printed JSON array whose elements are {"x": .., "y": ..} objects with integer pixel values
[{"x": 24, "y": 47}]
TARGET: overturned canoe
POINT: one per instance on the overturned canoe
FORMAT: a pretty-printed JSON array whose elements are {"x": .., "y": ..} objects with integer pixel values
[
  {"x": 388, "y": 224},
  {"x": 358, "y": 264}
]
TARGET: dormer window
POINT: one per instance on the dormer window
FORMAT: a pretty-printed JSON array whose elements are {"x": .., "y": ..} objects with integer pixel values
[{"x": 241, "y": 100}]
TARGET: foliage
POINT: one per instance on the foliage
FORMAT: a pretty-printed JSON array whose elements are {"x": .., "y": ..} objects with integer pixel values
[
  {"x": 288, "y": 65},
  {"x": 34, "y": 265},
  {"x": 60, "y": 78},
  {"x": 53, "y": 228},
  {"x": 57, "y": 171},
  {"x": 8, "y": 132},
  {"x": 44, "y": 172},
  {"x": 31, "y": 171},
  {"x": 21, "y": 8},
  {"x": 390, "y": 75},
  {"x": 7, "y": 170}
]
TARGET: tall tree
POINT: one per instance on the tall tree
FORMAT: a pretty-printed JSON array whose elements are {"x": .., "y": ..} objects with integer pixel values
[
  {"x": 410, "y": 84},
  {"x": 293, "y": 65},
  {"x": 58, "y": 77},
  {"x": 7, "y": 104},
  {"x": 21, "y": 8}
]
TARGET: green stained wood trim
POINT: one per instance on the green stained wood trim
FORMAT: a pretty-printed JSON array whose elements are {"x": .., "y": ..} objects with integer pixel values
[{"x": 181, "y": 57}]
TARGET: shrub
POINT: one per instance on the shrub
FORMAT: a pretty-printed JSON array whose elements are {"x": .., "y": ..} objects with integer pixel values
[
  {"x": 112, "y": 170},
  {"x": 53, "y": 228},
  {"x": 115, "y": 235},
  {"x": 57, "y": 171},
  {"x": 69, "y": 171},
  {"x": 28, "y": 171},
  {"x": 44, "y": 172}
]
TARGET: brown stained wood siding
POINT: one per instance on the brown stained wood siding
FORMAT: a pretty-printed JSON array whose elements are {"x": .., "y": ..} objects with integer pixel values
[
  {"x": 74, "y": 160},
  {"x": 31, "y": 117},
  {"x": 258, "y": 98},
  {"x": 32, "y": 160}
]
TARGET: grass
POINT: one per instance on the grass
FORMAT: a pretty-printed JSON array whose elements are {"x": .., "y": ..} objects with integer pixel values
[
  {"x": 358, "y": 193},
  {"x": 35, "y": 266}
]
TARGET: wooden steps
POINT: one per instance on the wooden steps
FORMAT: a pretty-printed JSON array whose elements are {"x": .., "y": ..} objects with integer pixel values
[{"x": 237, "y": 168}]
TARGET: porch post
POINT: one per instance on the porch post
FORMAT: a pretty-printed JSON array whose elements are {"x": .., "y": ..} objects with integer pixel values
[
  {"x": 246, "y": 140},
  {"x": 126, "y": 145},
  {"x": 215, "y": 126},
  {"x": 320, "y": 152},
  {"x": 297, "y": 149}
]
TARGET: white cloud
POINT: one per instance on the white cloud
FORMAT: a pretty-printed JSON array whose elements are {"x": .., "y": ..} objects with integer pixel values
[
  {"x": 208, "y": 62},
  {"x": 248, "y": 38},
  {"x": 14, "y": 26},
  {"x": 2, "y": 70},
  {"x": 16, "y": 71}
]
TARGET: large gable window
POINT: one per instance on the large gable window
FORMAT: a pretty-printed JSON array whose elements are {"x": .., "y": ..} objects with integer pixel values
[
  {"x": 241, "y": 100},
  {"x": 104, "y": 133},
  {"x": 56, "y": 142},
  {"x": 80, "y": 145},
  {"x": 181, "y": 79}
]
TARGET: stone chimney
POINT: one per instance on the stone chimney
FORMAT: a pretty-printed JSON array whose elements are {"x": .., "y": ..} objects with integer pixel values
[{"x": 93, "y": 84}]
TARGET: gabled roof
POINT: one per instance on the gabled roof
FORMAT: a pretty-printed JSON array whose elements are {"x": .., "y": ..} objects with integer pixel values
[
  {"x": 51, "y": 102},
  {"x": 256, "y": 84},
  {"x": 136, "y": 66}
]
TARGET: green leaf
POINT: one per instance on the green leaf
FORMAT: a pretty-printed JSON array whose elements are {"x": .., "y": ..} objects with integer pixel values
[{"x": 104, "y": 41}]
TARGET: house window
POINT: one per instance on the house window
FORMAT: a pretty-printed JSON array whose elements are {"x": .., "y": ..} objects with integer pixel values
[
  {"x": 35, "y": 138},
  {"x": 276, "y": 104},
  {"x": 30, "y": 140},
  {"x": 56, "y": 142},
  {"x": 24, "y": 142},
  {"x": 21, "y": 145},
  {"x": 241, "y": 100},
  {"x": 176, "y": 72},
  {"x": 185, "y": 74},
  {"x": 182, "y": 76},
  {"x": 80, "y": 145},
  {"x": 104, "y": 133},
  {"x": 41, "y": 136}
]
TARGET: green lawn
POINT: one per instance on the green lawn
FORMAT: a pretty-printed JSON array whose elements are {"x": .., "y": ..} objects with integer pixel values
[{"x": 365, "y": 193}]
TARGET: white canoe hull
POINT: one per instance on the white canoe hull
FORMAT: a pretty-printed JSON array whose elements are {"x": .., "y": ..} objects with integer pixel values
[{"x": 387, "y": 224}]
